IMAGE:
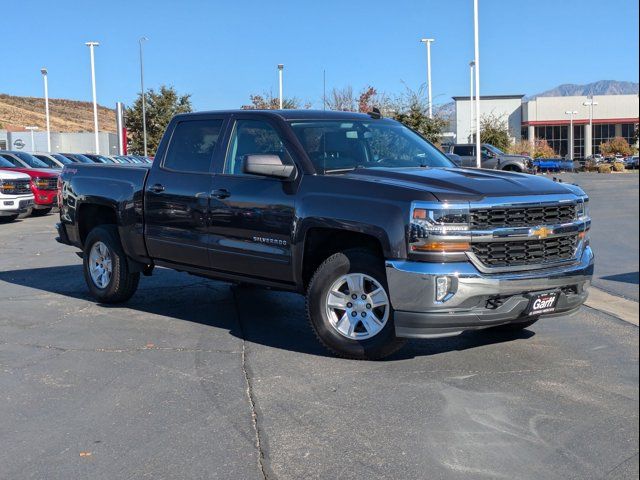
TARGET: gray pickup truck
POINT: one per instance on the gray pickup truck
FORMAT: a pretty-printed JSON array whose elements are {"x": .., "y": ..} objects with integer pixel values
[
  {"x": 385, "y": 237},
  {"x": 492, "y": 157}
]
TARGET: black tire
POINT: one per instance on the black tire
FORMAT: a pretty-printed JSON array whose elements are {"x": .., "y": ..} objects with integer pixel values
[
  {"x": 515, "y": 327},
  {"x": 512, "y": 168},
  {"x": 381, "y": 345},
  {"x": 41, "y": 212},
  {"x": 8, "y": 218},
  {"x": 123, "y": 283}
]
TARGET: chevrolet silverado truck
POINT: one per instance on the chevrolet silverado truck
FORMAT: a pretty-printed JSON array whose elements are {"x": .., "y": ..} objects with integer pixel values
[
  {"x": 15, "y": 195},
  {"x": 387, "y": 239}
]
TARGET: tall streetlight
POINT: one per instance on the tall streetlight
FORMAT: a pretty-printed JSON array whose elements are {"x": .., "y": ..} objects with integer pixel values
[
  {"x": 144, "y": 101},
  {"x": 571, "y": 114},
  {"x": 91, "y": 46},
  {"x": 590, "y": 103},
  {"x": 280, "y": 68},
  {"x": 471, "y": 65},
  {"x": 33, "y": 143},
  {"x": 477, "y": 66},
  {"x": 46, "y": 106},
  {"x": 428, "y": 42}
]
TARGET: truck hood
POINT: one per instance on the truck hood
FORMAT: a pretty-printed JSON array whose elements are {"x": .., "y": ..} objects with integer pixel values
[
  {"x": 460, "y": 184},
  {"x": 37, "y": 172},
  {"x": 10, "y": 175}
]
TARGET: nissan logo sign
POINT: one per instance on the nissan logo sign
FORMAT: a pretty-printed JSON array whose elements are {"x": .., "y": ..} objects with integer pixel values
[{"x": 19, "y": 144}]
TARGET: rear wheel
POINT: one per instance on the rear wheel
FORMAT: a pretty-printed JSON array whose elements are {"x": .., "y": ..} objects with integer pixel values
[
  {"x": 105, "y": 266},
  {"x": 349, "y": 309},
  {"x": 41, "y": 212},
  {"x": 512, "y": 168},
  {"x": 8, "y": 218}
]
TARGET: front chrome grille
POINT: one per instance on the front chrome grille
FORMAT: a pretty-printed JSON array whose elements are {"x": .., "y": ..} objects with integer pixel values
[
  {"x": 22, "y": 186},
  {"x": 498, "y": 217},
  {"x": 524, "y": 253}
]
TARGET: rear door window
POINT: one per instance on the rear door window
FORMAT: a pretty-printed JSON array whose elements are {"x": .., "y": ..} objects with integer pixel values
[
  {"x": 463, "y": 150},
  {"x": 192, "y": 145}
]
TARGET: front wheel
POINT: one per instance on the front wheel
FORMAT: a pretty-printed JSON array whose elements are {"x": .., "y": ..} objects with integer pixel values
[
  {"x": 349, "y": 309},
  {"x": 8, "y": 218},
  {"x": 105, "y": 266}
]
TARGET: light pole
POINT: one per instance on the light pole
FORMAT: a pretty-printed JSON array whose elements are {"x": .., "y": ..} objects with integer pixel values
[
  {"x": 571, "y": 114},
  {"x": 280, "y": 68},
  {"x": 46, "y": 106},
  {"x": 144, "y": 101},
  {"x": 471, "y": 65},
  {"x": 427, "y": 42},
  {"x": 477, "y": 66},
  {"x": 33, "y": 143},
  {"x": 590, "y": 103},
  {"x": 91, "y": 46}
]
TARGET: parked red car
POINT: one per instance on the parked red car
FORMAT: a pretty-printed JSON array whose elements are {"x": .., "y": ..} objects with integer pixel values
[{"x": 44, "y": 181}]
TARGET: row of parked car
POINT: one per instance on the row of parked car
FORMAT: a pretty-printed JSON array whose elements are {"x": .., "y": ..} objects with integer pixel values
[{"x": 29, "y": 181}]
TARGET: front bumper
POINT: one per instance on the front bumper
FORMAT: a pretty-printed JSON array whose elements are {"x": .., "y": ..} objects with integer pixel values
[
  {"x": 12, "y": 205},
  {"x": 479, "y": 300},
  {"x": 45, "y": 198}
]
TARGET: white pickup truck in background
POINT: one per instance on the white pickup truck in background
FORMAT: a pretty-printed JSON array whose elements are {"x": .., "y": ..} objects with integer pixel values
[{"x": 15, "y": 195}]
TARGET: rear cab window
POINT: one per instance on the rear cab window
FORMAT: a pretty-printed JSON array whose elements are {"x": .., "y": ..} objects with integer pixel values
[
  {"x": 192, "y": 145},
  {"x": 463, "y": 150}
]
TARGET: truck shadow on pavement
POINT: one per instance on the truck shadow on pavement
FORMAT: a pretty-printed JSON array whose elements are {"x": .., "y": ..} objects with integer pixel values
[{"x": 266, "y": 317}]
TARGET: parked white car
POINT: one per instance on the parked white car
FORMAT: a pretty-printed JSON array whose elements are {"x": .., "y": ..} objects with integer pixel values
[{"x": 15, "y": 195}]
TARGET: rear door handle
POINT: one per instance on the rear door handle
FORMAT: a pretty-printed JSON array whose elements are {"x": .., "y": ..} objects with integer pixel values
[
  {"x": 157, "y": 188},
  {"x": 220, "y": 194}
]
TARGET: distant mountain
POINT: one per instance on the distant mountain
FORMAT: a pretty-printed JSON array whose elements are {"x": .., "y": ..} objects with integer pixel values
[
  {"x": 602, "y": 87},
  {"x": 65, "y": 115}
]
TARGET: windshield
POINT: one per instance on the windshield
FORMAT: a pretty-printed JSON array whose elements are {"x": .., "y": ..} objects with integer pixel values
[
  {"x": 30, "y": 160},
  {"x": 81, "y": 158},
  {"x": 6, "y": 163},
  {"x": 335, "y": 146},
  {"x": 495, "y": 150},
  {"x": 62, "y": 159}
]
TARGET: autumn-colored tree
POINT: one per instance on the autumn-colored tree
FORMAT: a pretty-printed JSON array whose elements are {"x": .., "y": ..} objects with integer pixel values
[
  {"x": 267, "y": 101},
  {"x": 367, "y": 99},
  {"x": 541, "y": 149},
  {"x": 617, "y": 145},
  {"x": 161, "y": 106},
  {"x": 521, "y": 147}
]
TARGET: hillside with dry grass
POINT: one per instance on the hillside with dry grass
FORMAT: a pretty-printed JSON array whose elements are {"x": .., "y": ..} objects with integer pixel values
[{"x": 65, "y": 115}]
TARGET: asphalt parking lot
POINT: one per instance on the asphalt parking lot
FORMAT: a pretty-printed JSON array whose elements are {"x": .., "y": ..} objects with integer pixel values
[{"x": 199, "y": 379}]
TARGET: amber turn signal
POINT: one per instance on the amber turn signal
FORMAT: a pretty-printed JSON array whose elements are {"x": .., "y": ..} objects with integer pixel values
[{"x": 441, "y": 247}]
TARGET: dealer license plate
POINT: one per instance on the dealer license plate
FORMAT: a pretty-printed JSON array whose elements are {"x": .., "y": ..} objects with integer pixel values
[{"x": 543, "y": 303}]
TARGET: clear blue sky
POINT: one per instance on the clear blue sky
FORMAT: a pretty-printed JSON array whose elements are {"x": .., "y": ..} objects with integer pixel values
[{"x": 221, "y": 51}]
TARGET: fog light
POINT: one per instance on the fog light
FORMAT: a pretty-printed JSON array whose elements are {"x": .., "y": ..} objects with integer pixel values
[
  {"x": 8, "y": 203},
  {"x": 443, "y": 286}
]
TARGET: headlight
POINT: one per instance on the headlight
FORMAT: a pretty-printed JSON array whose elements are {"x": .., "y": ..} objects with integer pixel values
[
  {"x": 40, "y": 182},
  {"x": 582, "y": 211},
  {"x": 6, "y": 186},
  {"x": 439, "y": 228}
]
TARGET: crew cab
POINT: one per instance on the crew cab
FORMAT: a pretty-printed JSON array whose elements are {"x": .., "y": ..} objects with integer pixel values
[
  {"x": 44, "y": 180},
  {"x": 491, "y": 157},
  {"x": 15, "y": 195},
  {"x": 386, "y": 237}
]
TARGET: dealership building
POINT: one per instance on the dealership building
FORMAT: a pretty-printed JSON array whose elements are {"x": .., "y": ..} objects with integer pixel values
[{"x": 546, "y": 118}]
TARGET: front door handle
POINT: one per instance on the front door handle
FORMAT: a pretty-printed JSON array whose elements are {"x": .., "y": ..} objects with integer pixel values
[
  {"x": 221, "y": 193},
  {"x": 157, "y": 188}
]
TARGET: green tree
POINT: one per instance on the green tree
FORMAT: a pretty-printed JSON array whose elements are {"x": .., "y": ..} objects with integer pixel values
[
  {"x": 495, "y": 131},
  {"x": 161, "y": 106},
  {"x": 412, "y": 110},
  {"x": 267, "y": 101}
]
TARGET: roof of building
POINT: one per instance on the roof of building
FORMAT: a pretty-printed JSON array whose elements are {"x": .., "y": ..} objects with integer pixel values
[{"x": 491, "y": 97}]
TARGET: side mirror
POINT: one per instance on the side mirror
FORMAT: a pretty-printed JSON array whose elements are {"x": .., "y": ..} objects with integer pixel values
[{"x": 267, "y": 166}]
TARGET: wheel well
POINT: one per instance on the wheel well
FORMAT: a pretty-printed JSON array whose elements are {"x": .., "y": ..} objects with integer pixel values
[
  {"x": 90, "y": 216},
  {"x": 512, "y": 168},
  {"x": 321, "y": 243}
]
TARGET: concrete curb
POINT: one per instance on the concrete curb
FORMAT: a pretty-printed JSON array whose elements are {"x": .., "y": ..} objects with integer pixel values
[{"x": 619, "y": 307}]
